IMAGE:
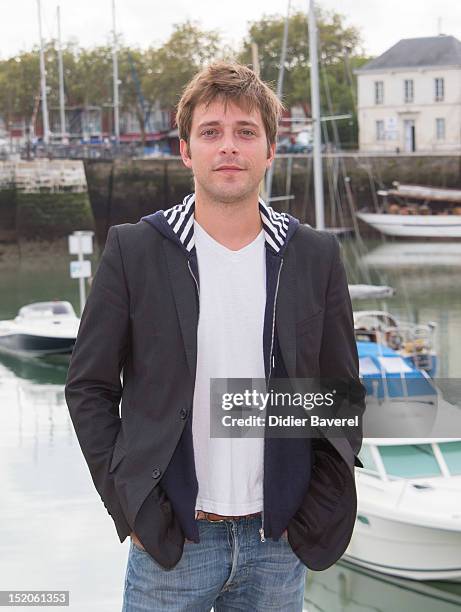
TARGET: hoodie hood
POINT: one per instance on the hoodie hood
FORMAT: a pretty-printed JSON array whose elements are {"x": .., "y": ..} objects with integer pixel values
[{"x": 177, "y": 224}]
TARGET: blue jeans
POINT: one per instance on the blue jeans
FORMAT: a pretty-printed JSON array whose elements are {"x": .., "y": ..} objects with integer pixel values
[{"x": 229, "y": 570}]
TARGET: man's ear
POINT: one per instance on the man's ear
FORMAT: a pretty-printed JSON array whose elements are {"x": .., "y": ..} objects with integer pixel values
[
  {"x": 185, "y": 153},
  {"x": 270, "y": 154}
]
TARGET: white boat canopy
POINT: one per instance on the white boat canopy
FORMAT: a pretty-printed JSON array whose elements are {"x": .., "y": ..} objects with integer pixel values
[
  {"x": 39, "y": 310},
  {"x": 363, "y": 292}
]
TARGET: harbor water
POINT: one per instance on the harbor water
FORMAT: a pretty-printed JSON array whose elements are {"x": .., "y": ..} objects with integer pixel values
[{"x": 56, "y": 534}]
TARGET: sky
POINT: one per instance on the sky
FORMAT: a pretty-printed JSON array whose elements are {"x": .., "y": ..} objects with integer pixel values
[{"x": 146, "y": 22}]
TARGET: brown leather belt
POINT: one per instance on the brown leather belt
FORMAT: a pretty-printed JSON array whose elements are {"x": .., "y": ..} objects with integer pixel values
[{"x": 215, "y": 518}]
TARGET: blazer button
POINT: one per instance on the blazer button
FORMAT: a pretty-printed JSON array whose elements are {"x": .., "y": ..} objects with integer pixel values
[
  {"x": 156, "y": 473},
  {"x": 183, "y": 413}
]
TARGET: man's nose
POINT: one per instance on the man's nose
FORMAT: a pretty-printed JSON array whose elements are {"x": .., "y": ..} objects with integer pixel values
[{"x": 228, "y": 145}]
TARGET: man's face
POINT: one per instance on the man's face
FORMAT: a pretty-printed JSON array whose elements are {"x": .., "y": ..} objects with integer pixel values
[{"x": 228, "y": 151}]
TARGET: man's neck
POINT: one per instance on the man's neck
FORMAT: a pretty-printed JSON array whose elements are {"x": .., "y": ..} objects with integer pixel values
[{"x": 233, "y": 225}]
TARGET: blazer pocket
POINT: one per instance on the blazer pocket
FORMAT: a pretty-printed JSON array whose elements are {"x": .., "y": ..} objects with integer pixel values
[
  {"x": 321, "y": 528},
  {"x": 306, "y": 324},
  {"x": 117, "y": 456}
]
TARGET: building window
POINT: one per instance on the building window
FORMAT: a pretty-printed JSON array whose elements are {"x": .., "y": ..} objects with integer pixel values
[
  {"x": 379, "y": 92},
  {"x": 439, "y": 89},
  {"x": 440, "y": 128},
  {"x": 380, "y": 130},
  {"x": 408, "y": 90}
]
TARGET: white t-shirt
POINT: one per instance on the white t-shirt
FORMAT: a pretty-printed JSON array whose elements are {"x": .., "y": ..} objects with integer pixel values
[{"x": 229, "y": 345}]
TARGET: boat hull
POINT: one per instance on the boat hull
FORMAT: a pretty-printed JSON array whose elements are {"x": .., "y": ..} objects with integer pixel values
[
  {"x": 36, "y": 345},
  {"x": 404, "y": 549},
  {"x": 427, "y": 226}
]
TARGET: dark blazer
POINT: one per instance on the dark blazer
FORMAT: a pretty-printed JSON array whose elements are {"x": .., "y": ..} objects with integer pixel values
[{"x": 137, "y": 343}]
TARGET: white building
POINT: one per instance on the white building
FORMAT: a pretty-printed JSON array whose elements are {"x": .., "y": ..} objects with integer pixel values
[{"x": 409, "y": 98}]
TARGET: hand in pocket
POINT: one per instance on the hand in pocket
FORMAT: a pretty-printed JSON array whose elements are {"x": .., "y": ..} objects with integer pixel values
[{"x": 136, "y": 541}]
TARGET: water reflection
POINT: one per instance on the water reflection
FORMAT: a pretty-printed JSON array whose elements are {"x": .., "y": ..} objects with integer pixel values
[
  {"x": 54, "y": 530},
  {"x": 345, "y": 587},
  {"x": 425, "y": 277},
  {"x": 413, "y": 254},
  {"x": 40, "y": 371}
]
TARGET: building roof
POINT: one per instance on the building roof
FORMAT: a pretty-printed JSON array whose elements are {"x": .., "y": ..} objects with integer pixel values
[{"x": 429, "y": 51}]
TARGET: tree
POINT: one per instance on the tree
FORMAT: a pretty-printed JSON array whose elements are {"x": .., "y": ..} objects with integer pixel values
[
  {"x": 173, "y": 64},
  {"x": 19, "y": 86},
  {"x": 339, "y": 53},
  {"x": 132, "y": 69},
  {"x": 157, "y": 76},
  {"x": 87, "y": 79}
]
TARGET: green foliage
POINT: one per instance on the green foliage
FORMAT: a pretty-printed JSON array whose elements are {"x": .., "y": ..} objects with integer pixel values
[
  {"x": 19, "y": 85},
  {"x": 335, "y": 42},
  {"x": 162, "y": 71},
  {"x": 173, "y": 64},
  {"x": 339, "y": 55}
]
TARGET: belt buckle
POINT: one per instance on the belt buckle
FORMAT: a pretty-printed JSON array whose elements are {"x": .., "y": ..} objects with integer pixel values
[{"x": 206, "y": 517}]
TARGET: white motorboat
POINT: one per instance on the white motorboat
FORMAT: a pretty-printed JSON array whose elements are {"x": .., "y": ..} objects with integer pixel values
[
  {"x": 413, "y": 341},
  {"x": 417, "y": 211},
  {"x": 370, "y": 292},
  {"x": 409, "y": 508},
  {"x": 40, "y": 329}
]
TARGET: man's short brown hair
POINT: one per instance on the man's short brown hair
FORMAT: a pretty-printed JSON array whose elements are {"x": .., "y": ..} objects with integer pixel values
[{"x": 229, "y": 82}]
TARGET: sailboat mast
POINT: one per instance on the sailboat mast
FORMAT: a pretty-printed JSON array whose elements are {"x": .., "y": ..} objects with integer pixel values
[
  {"x": 315, "y": 102},
  {"x": 270, "y": 172},
  {"x": 62, "y": 111},
  {"x": 284, "y": 53},
  {"x": 46, "y": 125},
  {"x": 115, "y": 79}
]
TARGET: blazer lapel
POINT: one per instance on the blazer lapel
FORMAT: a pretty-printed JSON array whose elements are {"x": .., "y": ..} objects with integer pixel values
[{"x": 186, "y": 300}]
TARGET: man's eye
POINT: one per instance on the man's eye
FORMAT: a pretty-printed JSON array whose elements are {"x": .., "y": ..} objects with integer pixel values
[
  {"x": 209, "y": 132},
  {"x": 248, "y": 132}
]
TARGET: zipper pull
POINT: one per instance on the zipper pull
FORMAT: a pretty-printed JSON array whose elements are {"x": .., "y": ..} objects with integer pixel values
[
  {"x": 261, "y": 532},
  {"x": 273, "y": 361}
]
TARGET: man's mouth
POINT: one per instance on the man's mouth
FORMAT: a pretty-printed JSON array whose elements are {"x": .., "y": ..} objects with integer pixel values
[{"x": 229, "y": 168}]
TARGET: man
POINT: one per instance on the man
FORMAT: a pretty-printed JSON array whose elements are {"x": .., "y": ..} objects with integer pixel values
[{"x": 220, "y": 286}]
